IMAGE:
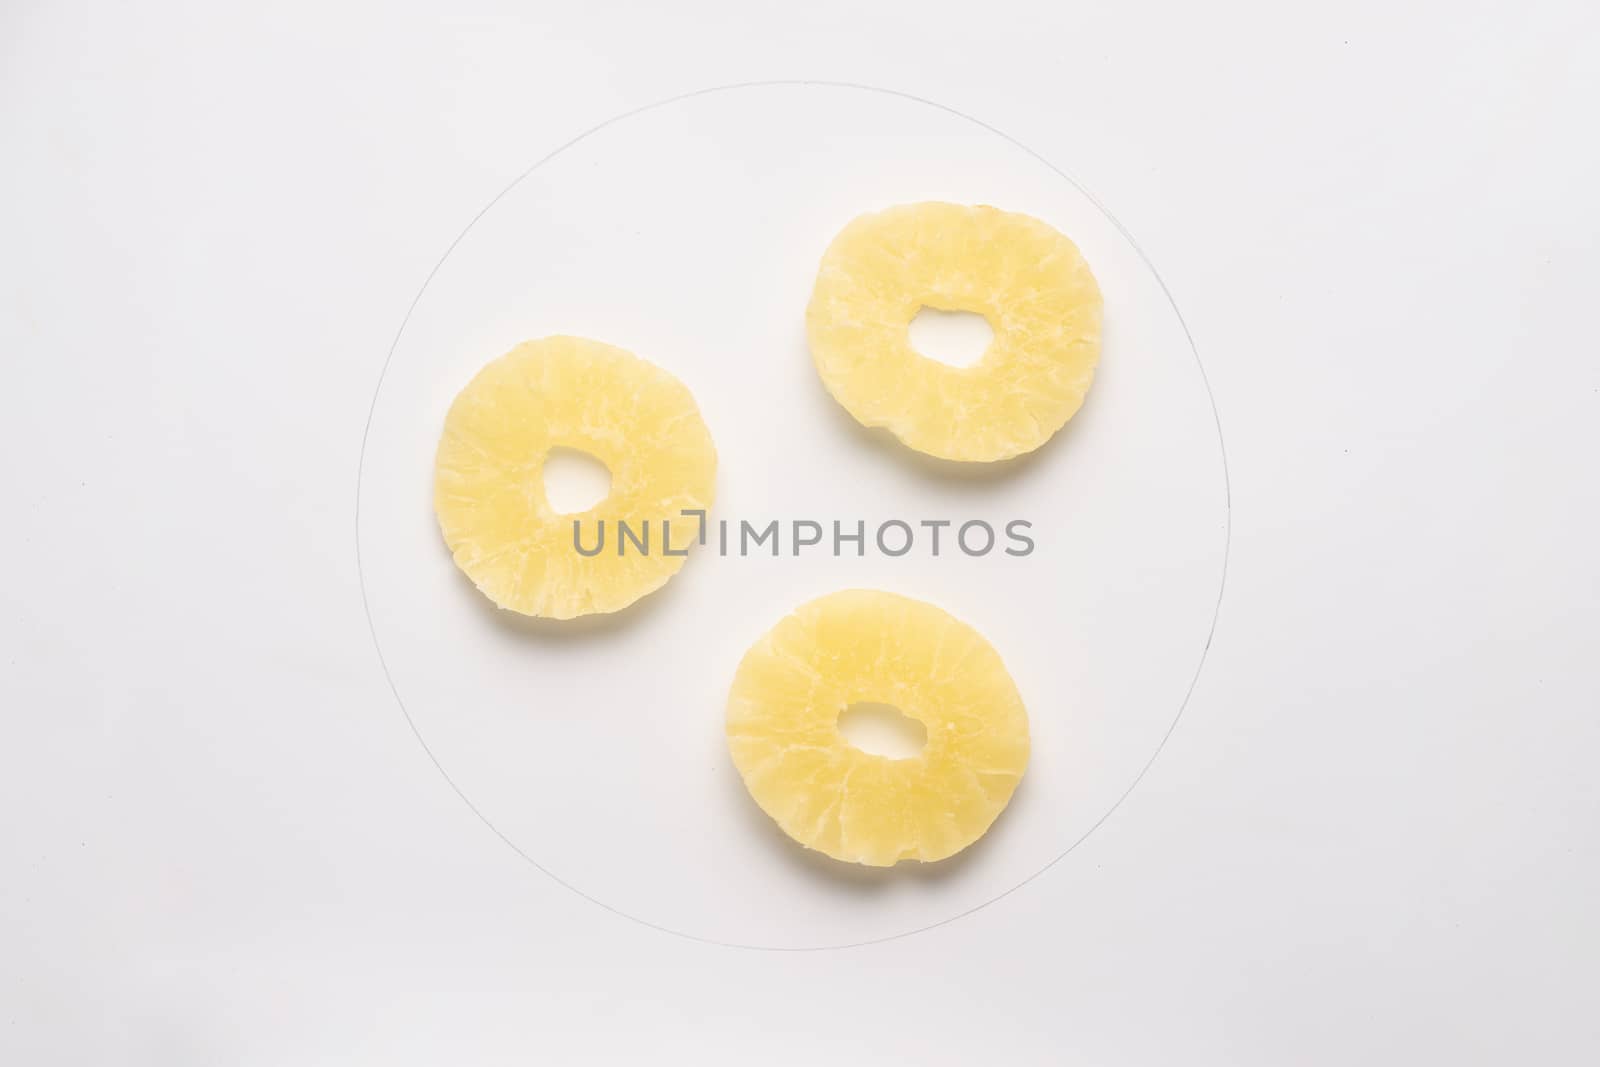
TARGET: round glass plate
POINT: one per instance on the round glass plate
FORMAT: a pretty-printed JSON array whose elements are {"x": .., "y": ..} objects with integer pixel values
[{"x": 689, "y": 232}]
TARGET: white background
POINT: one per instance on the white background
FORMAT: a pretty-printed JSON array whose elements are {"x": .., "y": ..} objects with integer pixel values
[{"x": 1372, "y": 836}]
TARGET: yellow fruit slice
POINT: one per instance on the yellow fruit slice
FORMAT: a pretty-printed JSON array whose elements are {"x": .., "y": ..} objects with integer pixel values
[
  {"x": 860, "y": 646},
  {"x": 1024, "y": 277},
  {"x": 488, "y": 486}
]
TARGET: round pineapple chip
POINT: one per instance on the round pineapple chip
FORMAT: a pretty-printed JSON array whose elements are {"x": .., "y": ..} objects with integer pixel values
[
  {"x": 488, "y": 485},
  {"x": 1024, "y": 277},
  {"x": 861, "y": 646}
]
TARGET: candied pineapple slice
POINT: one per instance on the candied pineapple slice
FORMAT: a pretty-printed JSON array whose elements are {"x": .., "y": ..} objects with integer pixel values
[
  {"x": 488, "y": 486},
  {"x": 861, "y": 646},
  {"x": 1024, "y": 277}
]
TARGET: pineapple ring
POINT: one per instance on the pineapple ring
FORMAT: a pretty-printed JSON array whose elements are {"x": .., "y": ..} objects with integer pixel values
[
  {"x": 859, "y": 646},
  {"x": 1025, "y": 278},
  {"x": 488, "y": 487}
]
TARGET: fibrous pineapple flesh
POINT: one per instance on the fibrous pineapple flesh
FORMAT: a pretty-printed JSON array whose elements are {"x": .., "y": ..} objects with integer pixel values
[
  {"x": 1024, "y": 277},
  {"x": 860, "y": 646},
  {"x": 489, "y": 495}
]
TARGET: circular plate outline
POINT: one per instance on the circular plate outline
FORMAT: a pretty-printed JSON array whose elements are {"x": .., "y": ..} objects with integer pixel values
[{"x": 1227, "y": 488}]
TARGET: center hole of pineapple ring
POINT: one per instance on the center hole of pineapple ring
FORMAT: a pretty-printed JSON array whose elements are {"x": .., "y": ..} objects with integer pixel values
[
  {"x": 882, "y": 730},
  {"x": 574, "y": 480},
  {"x": 956, "y": 338}
]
